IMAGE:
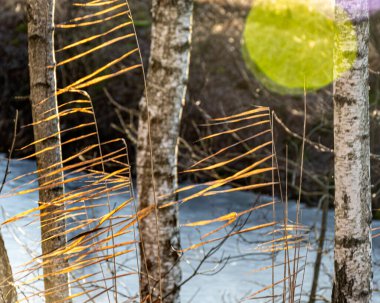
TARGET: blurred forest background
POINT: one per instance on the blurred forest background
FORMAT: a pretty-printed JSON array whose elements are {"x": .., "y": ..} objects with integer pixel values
[{"x": 220, "y": 84}]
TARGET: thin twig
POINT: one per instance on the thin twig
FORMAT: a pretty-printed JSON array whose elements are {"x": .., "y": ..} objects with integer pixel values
[{"x": 10, "y": 152}]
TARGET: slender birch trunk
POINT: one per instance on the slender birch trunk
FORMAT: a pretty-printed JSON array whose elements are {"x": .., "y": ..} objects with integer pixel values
[
  {"x": 43, "y": 86},
  {"x": 166, "y": 88},
  {"x": 321, "y": 242},
  {"x": 8, "y": 292},
  {"x": 353, "y": 266}
]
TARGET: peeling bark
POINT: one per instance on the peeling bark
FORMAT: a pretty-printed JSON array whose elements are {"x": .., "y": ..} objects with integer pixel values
[
  {"x": 353, "y": 246},
  {"x": 43, "y": 86},
  {"x": 166, "y": 88}
]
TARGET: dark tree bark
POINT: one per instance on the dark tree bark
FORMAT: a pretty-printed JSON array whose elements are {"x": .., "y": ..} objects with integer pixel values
[
  {"x": 8, "y": 292},
  {"x": 318, "y": 259},
  {"x": 166, "y": 88},
  {"x": 44, "y": 104}
]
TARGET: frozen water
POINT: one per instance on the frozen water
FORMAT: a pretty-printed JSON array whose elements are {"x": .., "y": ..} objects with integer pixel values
[{"x": 227, "y": 276}]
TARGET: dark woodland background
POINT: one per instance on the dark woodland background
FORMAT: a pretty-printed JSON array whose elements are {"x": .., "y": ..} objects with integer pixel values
[{"x": 220, "y": 84}]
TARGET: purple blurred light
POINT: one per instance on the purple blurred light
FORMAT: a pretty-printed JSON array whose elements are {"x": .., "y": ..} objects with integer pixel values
[
  {"x": 354, "y": 8},
  {"x": 374, "y": 6}
]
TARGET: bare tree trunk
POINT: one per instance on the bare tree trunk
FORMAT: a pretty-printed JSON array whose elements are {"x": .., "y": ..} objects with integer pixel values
[
  {"x": 43, "y": 86},
  {"x": 353, "y": 268},
  {"x": 8, "y": 292},
  {"x": 166, "y": 88},
  {"x": 321, "y": 242}
]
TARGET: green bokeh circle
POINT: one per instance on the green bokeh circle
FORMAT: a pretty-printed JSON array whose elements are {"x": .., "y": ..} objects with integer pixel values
[{"x": 288, "y": 44}]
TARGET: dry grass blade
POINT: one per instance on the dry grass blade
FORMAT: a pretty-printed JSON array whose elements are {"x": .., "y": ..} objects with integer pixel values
[
  {"x": 283, "y": 241},
  {"x": 98, "y": 212},
  {"x": 96, "y": 3},
  {"x": 85, "y": 53},
  {"x": 89, "y": 39},
  {"x": 100, "y": 219},
  {"x": 74, "y": 25}
]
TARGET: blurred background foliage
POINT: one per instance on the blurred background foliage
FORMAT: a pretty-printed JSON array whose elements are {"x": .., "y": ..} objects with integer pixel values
[{"x": 221, "y": 83}]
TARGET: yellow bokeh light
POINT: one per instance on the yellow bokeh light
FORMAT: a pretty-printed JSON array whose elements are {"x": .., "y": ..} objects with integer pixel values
[{"x": 289, "y": 44}]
